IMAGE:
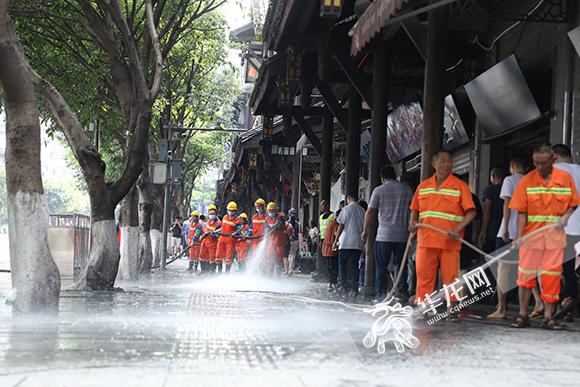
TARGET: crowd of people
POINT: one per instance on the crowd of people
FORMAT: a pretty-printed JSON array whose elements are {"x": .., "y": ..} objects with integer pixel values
[
  {"x": 438, "y": 215},
  {"x": 214, "y": 244}
]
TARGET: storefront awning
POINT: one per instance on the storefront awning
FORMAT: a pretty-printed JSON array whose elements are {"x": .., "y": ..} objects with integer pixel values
[{"x": 382, "y": 13}]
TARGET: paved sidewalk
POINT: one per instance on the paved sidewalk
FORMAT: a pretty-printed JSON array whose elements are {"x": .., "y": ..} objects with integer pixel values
[{"x": 179, "y": 329}]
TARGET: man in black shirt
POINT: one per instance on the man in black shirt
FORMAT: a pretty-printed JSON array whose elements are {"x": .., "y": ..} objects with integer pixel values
[{"x": 492, "y": 210}]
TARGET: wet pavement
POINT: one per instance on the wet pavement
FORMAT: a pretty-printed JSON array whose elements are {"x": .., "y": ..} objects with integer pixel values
[{"x": 179, "y": 329}]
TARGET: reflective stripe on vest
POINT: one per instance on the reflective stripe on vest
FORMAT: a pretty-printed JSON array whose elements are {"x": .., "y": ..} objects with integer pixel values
[
  {"x": 440, "y": 215},
  {"x": 324, "y": 224},
  {"x": 543, "y": 219},
  {"x": 443, "y": 191},
  {"x": 548, "y": 191}
]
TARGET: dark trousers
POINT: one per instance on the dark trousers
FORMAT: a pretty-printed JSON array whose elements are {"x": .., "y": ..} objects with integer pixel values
[
  {"x": 570, "y": 280},
  {"x": 348, "y": 268},
  {"x": 383, "y": 253},
  {"x": 332, "y": 269}
]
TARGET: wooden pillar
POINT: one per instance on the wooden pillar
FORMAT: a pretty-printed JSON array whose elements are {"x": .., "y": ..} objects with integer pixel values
[
  {"x": 296, "y": 174},
  {"x": 381, "y": 74},
  {"x": 434, "y": 87},
  {"x": 353, "y": 141},
  {"x": 326, "y": 158}
]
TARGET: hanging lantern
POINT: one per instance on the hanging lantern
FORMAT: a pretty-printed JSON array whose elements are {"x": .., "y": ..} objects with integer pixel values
[
  {"x": 267, "y": 126},
  {"x": 253, "y": 160},
  {"x": 284, "y": 94},
  {"x": 330, "y": 8},
  {"x": 294, "y": 65}
]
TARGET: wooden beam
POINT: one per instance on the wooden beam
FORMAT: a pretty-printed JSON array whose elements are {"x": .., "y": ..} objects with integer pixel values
[
  {"x": 332, "y": 103},
  {"x": 356, "y": 78},
  {"x": 307, "y": 129}
]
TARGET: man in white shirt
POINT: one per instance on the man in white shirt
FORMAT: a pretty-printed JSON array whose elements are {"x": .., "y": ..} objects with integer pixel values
[
  {"x": 563, "y": 160},
  {"x": 506, "y": 234},
  {"x": 349, "y": 243}
]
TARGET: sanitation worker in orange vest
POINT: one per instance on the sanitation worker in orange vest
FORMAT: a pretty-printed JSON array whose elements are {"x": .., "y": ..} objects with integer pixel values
[
  {"x": 445, "y": 202},
  {"x": 276, "y": 224},
  {"x": 226, "y": 246},
  {"x": 193, "y": 239},
  {"x": 544, "y": 196},
  {"x": 259, "y": 222},
  {"x": 209, "y": 242},
  {"x": 243, "y": 244}
]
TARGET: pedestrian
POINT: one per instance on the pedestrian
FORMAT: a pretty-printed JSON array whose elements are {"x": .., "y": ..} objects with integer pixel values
[
  {"x": 563, "y": 160},
  {"x": 330, "y": 252},
  {"x": 349, "y": 244},
  {"x": 226, "y": 247},
  {"x": 544, "y": 196},
  {"x": 313, "y": 234},
  {"x": 492, "y": 210},
  {"x": 507, "y": 233},
  {"x": 445, "y": 202},
  {"x": 243, "y": 243},
  {"x": 194, "y": 240},
  {"x": 275, "y": 224},
  {"x": 467, "y": 256},
  {"x": 295, "y": 241},
  {"x": 176, "y": 233},
  {"x": 210, "y": 239},
  {"x": 390, "y": 204}
]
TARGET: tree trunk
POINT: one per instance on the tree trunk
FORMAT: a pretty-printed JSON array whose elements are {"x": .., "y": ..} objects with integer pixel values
[
  {"x": 35, "y": 276},
  {"x": 145, "y": 212},
  {"x": 157, "y": 224},
  {"x": 129, "y": 264}
]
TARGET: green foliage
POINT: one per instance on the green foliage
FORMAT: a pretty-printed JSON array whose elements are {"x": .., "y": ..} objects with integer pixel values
[{"x": 62, "y": 197}]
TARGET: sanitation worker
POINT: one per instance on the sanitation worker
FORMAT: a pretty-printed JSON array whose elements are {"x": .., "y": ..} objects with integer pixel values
[
  {"x": 276, "y": 226},
  {"x": 259, "y": 222},
  {"x": 243, "y": 244},
  {"x": 445, "y": 202},
  {"x": 226, "y": 246},
  {"x": 194, "y": 240},
  {"x": 544, "y": 196},
  {"x": 210, "y": 239}
]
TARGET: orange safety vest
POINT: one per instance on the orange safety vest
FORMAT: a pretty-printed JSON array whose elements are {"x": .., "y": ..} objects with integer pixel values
[
  {"x": 545, "y": 203},
  {"x": 258, "y": 224},
  {"x": 229, "y": 224},
  {"x": 443, "y": 207}
]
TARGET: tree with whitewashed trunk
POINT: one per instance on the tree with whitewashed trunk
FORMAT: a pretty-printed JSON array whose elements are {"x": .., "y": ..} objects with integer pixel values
[
  {"x": 35, "y": 276},
  {"x": 131, "y": 39}
]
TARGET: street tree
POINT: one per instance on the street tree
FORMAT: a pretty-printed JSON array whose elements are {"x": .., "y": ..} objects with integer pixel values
[
  {"x": 130, "y": 39},
  {"x": 35, "y": 276}
]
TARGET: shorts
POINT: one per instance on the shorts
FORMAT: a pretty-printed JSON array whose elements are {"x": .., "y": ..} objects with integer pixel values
[{"x": 175, "y": 242}]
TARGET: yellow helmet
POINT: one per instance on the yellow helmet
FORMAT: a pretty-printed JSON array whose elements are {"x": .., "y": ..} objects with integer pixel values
[
  {"x": 271, "y": 206},
  {"x": 211, "y": 207},
  {"x": 195, "y": 213},
  {"x": 243, "y": 216},
  {"x": 260, "y": 202},
  {"x": 232, "y": 206}
]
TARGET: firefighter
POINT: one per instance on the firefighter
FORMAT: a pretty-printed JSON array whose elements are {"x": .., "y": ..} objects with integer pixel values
[
  {"x": 243, "y": 244},
  {"x": 276, "y": 225},
  {"x": 194, "y": 240},
  {"x": 545, "y": 196},
  {"x": 259, "y": 222},
  {"x": 210, "y": 239},
  {"x": 226, "y": 246},
  {"x": 443, "y": 201}
]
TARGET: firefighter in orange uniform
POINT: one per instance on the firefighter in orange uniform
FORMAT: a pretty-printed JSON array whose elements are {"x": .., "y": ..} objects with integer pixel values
[
  {"x": 544, "y": 196},
  {"x": 194, "y": 240},
  {"x": 243, "y": 244},
  {"x": 259, "y": 222},
  {"x": 443, "y": 201},
  {"x": 209, "y": 240},
  {"x": 276, "y": 226},
  {"x": 226, "y": 246}
]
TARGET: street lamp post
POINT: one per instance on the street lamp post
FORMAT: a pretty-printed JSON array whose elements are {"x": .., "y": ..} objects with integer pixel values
[{"x": 167, "y": 192}]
